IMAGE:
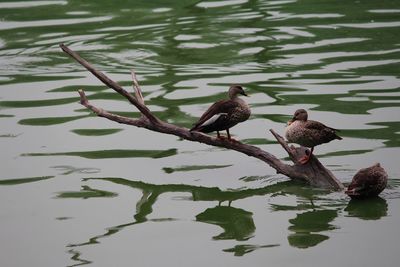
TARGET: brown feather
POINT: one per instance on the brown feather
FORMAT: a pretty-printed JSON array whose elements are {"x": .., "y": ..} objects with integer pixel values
[
  {"x": 222, "y": 106},
  {"x": 368, "y": 182}
]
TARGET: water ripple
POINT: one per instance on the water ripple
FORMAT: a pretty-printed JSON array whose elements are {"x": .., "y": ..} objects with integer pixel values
[
  {"x": 340, "y": 61},
  {"x": 368, "y": 25},
  {"x": 7, "y": 25},
  {"x": 213, "y": 4},
  {"x": 27, "y": 4}
]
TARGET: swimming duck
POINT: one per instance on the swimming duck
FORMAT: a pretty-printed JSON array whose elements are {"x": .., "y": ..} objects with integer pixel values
[
  {"x": 368, "y": 182},
  {"x": 224, "y": 114},
  {"x": 308, "y": 133}
]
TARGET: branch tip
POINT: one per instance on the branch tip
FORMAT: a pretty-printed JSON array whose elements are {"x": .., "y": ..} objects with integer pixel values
[
  {"x": 84, "y": 100},
  {"x": 136, "y": 87}
]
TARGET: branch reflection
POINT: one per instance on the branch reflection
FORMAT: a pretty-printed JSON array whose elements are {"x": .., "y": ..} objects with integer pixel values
[{"x": 315, "y": 211}]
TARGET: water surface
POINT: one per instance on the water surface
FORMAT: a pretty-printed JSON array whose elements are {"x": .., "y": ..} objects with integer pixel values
[{"x": 77, "y": 189}]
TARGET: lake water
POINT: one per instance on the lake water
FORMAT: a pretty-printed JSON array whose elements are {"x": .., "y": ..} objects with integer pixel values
[{"x": 76, "y": 189}]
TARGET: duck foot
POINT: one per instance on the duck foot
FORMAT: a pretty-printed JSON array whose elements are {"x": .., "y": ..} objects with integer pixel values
[
  {"x": 304, "y": 160},
  {"x": 233, "y": 140},
  {"x": 229, "y": 138},
  {"x": 221, "y": 137}
]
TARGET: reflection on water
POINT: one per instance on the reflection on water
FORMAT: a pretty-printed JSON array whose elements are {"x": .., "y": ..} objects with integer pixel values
[
  {"x": 370, "y": 209},
  {"x": 316, "y": 214},
  {"x": 237, "y": 223},
  {"x": 86, "y": 192},
  {"x": 102, "y": 154},
  {"x": 23, "y": 180},
  {"x": 307, "y": 224},
  {"x": 240, "y": 250},
  {"x": 338, "y": 60},
  {"x": 76, "y": 257},
  {"x": 309, "y": 228}
]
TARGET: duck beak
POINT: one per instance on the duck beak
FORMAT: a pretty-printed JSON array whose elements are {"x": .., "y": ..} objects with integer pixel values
[{"x": 245, "y": 94}]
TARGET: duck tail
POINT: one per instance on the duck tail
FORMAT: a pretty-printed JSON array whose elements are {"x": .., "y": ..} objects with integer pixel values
[{"x": 335, "y": 133}]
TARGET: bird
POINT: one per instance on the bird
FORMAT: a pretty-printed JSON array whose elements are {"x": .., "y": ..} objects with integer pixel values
[
  {"x": 308, "y": 133},
  {"x": 368, "y": 182},
  {"x": 224, "y": 114}
]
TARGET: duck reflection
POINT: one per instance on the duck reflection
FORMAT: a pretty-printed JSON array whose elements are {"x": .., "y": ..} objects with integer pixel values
[
  {"x": 315, "y": 210},
  {"x": 367, "y": 209},
  {"x": 238, "y": 224},
  {"x": 306, "y": 226},
  {"x": 316, "y": 214}
]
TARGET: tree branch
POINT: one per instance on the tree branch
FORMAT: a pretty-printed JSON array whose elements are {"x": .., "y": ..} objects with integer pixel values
[
  {"x": 111, "y": 84},
  {"x": 313, "y": 172}
]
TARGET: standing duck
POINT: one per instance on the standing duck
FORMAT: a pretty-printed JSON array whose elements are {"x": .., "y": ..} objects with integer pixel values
[
  {"x": 368, "y": 182},
  {"x": 308, "y": 133},
  {"x": 224, "y": 114}
]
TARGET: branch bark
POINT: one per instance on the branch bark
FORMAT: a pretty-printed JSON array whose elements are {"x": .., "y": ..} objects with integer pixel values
[
  {"x": 313, "y": 172},
  {"x": 111, "y": 84}
]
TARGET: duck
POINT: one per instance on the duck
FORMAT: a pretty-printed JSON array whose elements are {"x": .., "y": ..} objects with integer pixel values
[
  {"x": 368, "y": 182},
  {"x": 308, "y": 133},
  {"x": 224, "y": 114}
]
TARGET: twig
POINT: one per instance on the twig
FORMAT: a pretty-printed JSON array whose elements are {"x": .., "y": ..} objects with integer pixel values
[
  {"x": 105, "y": 114},
  {"x": 111, "y": 84},
  {"x": 136, "y": 88}
]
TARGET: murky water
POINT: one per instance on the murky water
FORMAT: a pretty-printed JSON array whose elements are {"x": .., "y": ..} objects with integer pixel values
[{"x": 76, "y": 189}]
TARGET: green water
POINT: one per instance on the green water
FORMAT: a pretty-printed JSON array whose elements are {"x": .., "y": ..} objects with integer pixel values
[{"x": 76, "y": 189}]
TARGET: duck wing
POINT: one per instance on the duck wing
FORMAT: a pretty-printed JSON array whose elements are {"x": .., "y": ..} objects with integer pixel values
[
  {"x": 222, "y": 107},
  {"x": 368, "y": 181},
  {"x": 322, "y": 131}
]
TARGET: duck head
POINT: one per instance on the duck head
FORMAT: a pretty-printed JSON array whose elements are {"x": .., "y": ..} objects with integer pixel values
[
  {"x": 299, "y": 115},
  {"x": 236, "y": 90}
]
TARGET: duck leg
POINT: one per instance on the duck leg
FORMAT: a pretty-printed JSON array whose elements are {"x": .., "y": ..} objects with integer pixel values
[
  {"x": 306, "y": 157},
  {"x": 219, "y": 136},
  {"x": 229, "y": 135}
]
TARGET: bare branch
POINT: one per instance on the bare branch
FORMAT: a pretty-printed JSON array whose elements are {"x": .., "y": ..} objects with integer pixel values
[
  {"x": 111, "y": 84},
  {"x": 313, "y": 172},
  {"x": 105, "y": 114}
]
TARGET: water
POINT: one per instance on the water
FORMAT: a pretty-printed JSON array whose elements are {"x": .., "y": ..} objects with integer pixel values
[{"x": 77, "y": 189}]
